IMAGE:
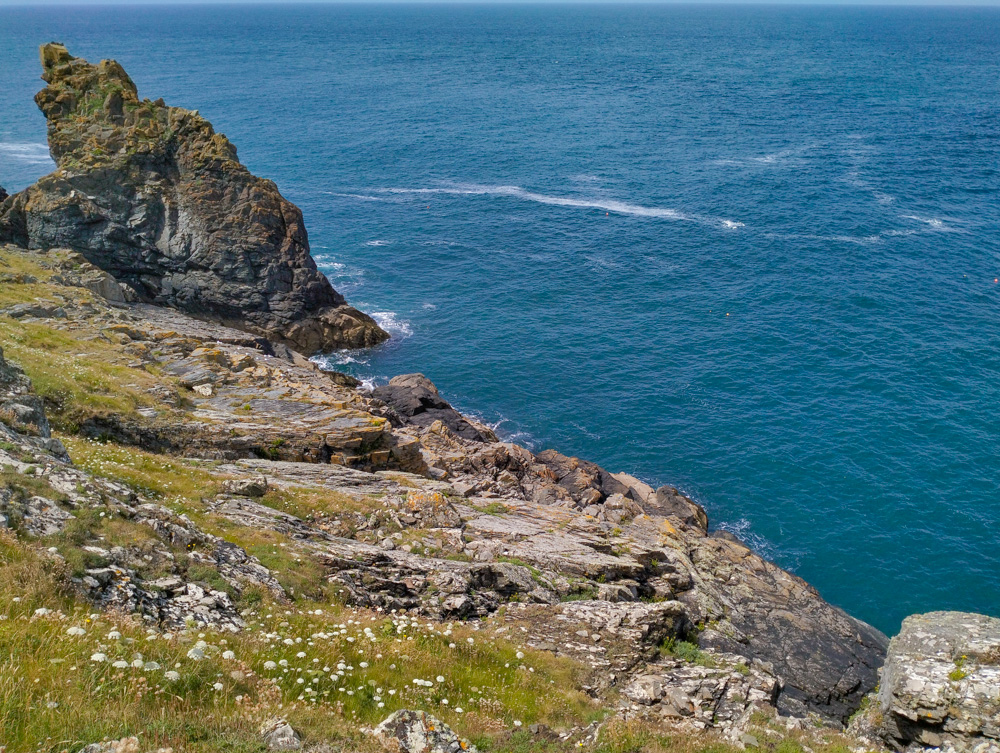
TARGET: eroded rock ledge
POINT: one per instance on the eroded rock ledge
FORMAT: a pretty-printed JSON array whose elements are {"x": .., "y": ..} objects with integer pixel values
[
  {"x": 452, "y": 524},
  {"x": 154, "y": 196}
]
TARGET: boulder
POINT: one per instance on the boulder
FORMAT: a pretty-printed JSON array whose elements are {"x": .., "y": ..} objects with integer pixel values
[
  {"x": 415, "y": 398},
  {"x": 155, "y": 197},
  {"x": 672, "y": 504},
  {"x": 278, "y": 734},
  {"x": 408, "y": 731},
  {"x": 940, "y": 684},
  {"x": 22, "y": 410},
  {"x": 246, "y": 487}
]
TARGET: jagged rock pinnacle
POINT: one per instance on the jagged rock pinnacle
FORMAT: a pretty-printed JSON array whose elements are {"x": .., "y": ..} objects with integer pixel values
[{"x": 154, "y": 196}]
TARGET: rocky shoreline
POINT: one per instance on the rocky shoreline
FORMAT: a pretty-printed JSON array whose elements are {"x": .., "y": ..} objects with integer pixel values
[{"x": 153, "y": 255}]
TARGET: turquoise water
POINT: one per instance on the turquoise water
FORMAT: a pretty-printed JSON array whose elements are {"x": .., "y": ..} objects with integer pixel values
[{"x": 749, "y": 251}]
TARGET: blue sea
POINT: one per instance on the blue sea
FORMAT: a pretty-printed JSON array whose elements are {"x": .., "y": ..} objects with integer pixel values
[{"x": 750, "y": 251}]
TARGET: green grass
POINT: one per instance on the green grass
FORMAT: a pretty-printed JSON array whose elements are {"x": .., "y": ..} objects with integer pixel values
[
  {"x": 686, "y": 651},
  {"x": 54, "y": 697}
]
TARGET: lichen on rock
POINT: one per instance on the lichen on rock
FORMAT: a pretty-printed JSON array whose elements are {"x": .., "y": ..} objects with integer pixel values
[
  {"x": 940, "y": 686},
  {"x": 154, "y": 196}
]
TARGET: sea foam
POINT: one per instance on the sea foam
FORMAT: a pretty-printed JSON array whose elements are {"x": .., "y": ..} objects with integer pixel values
[
  {"x": 608, "y": 205},
  {"x": 33, "y": 154}
]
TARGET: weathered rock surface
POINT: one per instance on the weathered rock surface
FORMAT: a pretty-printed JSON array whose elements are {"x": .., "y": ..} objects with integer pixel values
[
  {"x": 408, "y": 731},
  {"x": 154, "y": 196},
  {"x": 415, "y": 397},
  {"x": 940, "y": 685},
  {"x": 702, "y": 697},
  {"x": 278, "y": 734},
  {"x": 456, "y": 528},
  {"x": 33, "y": 461},
  {"x": 21, "y": 410}
]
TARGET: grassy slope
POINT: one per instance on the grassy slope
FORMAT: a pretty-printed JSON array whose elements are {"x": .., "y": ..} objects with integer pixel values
[{"x": 336, "y": 669}]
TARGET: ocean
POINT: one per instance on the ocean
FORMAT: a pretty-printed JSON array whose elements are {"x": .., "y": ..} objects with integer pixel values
[{"x": 749, "y": 251}]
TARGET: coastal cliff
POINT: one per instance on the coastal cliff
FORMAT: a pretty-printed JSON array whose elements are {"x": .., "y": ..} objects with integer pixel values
[
  {"x": 153, "y": 195},
  {"x": 217, "y": 534}
]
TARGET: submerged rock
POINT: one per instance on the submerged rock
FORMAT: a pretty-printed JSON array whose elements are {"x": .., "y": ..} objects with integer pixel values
[
  {"x": 154, "y": 196},
  {"x": 940, "y": 685}
]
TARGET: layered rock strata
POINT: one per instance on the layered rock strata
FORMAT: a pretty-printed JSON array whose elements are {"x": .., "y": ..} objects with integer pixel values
[
  {"x": 940, "y": 685},
  {"x": 154, "y": 196},
  {"x": 458, "y": 528}
]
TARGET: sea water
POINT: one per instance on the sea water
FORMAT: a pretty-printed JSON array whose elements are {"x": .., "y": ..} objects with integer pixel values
[{"x": 750, "y": 251}]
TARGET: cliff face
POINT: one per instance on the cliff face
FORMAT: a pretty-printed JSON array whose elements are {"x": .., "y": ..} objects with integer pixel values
[
  {"x": 376, "y": 503},
  {"x": 154, "y": 196}
]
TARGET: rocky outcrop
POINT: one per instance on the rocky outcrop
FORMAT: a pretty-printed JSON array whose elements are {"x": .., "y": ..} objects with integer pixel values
[
  {"x": 415, "y": 398},
  {"x": 417, "y": 732},
  {"x": 21, "y": 410},
  {"x": 940, "y": 685},
  {"x": 461, "y": 528},
  {"x": 154, "y": 196},
  {"x": 3, "y": 195}
]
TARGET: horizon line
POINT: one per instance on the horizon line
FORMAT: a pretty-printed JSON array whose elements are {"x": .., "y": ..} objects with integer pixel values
[{"x": 742, "y": 3}]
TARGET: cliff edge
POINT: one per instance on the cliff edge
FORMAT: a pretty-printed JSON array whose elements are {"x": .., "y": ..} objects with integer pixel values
[{"x": 154, "y": 196}]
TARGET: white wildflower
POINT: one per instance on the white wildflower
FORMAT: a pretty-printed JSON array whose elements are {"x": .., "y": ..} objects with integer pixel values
[
  {"x": 98, "y": 657},
  {"x": 172, "y": 675},
  {"x": 76, "y": 631},
  {"x": 228, "y": 655}
]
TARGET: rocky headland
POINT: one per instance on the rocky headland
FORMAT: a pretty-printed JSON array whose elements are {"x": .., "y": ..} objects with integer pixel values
[
  {"x": 334, "y": 568},
  {"x": 154, "y": 196}
]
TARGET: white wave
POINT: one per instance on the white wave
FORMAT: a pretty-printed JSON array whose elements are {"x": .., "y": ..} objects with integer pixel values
[
  {"x": 429, "y": 306},
  {"x": 357, "y": 196},
  {"x": 377, "y": 243},
  {"x": 511, "y": 435},
  {"x": 327, "y": 261},
  {"x": 516, "y": 192},
  {"x": 773, "y": 158},
  {"x": 339, "y": 358},
  {"x": 585, "y": 431},
  {"x": 732, "y": 225},
  {"x": 861, "y": 240},
  {"x": 741, "y": 530},
  {"x": 931, "y": 221},
  {"x": 391, "y": 323},
  {"x": 33, "y": 154}
]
